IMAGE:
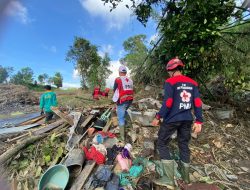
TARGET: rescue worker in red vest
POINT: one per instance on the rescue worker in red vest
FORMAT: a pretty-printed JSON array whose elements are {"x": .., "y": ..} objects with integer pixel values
[
  {"x": 181, "y": 95},
  {"x": 96, "y": 92},
  {"x": 123, "y": 96}
]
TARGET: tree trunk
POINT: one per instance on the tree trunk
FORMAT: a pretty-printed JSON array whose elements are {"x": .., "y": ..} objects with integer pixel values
[{"x": 15, "y": 149}]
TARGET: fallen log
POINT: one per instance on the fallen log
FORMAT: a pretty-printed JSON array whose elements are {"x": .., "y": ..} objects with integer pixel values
[{"x": 16, "y": 148}]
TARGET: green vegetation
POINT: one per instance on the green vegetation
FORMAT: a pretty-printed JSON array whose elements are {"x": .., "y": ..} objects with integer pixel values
[
  {"x": 93, "y": 69},
  {"x": 26, "y": 77},
  {"x": 23, "y": 77},
  {"x": 210, "y": 36},
  {"x": 43, "y": 78},
  {"x": 78, "y": 98},
  {"x": 136, "y": 51},
  {"x": 5, "y": 73},
  {"x": 58, "y": 79}
]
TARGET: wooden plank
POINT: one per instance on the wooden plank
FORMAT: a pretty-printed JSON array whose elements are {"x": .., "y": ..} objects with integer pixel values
[
  {"x": 86, "y": 121},
  {"x": 49, "y": 127},
  {"x": 107, "y": 126},
  {"x": 82, "y": 178},
  {"x": 31, "y": 121},
  {"x": 63, "y": 116}
]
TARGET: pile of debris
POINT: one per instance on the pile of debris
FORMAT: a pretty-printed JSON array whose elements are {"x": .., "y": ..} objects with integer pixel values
[
  {"x": 15, "y": 98},
  {"x": 81, "y": 147}
]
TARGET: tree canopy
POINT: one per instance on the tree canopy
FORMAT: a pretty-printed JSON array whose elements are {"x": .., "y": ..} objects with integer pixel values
[
  {"x": 23, "y": 77},
  {"x": 136, "y": 51},
  {"x": 5, "y": 73},
  {"x": 58, "y": 79},
  {"x": 92, "y": 68},
  {"x": 191, "y": 30}
]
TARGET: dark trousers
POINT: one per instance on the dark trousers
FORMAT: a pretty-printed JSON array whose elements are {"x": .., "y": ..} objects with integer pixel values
[
  {"x": 183, "y": 136},
  {"x": 48, "y": 116}
]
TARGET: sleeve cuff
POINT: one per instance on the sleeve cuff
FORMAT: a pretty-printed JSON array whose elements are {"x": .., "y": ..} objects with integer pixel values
[{"x": 198, "y": 122}]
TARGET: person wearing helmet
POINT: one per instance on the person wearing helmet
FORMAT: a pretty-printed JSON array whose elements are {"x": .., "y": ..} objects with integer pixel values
[
  {"x": 181, "y": 95},
  {"x": 123, "y": 96}
]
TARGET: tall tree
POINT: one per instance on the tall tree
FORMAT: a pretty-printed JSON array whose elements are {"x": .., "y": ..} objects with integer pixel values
[
  {"x": 40, "y": 79},
  {"x": 58, "y": 79},
  {"x": 136, "y": 51},
  {"x": 50, "y": 80},
  {"x": 92, "y": 68},
  {"x": 188, "y": 29},
  {"x": 43, "y": 78},
  {"x": 83, "y": 54},
  {"x": 23, "y": 77},
  {"x": 5, "y": 73}
]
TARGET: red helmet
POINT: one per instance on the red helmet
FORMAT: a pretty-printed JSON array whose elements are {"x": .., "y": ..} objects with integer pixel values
[{"x": 173, "y": 63}]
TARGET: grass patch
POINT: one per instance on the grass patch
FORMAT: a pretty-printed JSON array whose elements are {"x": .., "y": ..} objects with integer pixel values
[{"x": 78, "y": 98}]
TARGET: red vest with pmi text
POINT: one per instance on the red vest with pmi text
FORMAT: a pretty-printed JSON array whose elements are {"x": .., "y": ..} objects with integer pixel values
[{"x": 125, "y": 87}]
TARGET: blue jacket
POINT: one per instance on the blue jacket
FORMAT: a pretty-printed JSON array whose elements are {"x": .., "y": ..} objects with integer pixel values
[{"x": 181, "y": 95}]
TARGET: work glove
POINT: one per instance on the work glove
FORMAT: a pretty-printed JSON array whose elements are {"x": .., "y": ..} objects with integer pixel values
[
  {"x": 42, "y": 112},
  {"x": 196, "y": 128},
  {"x": 155, "y": 122}
]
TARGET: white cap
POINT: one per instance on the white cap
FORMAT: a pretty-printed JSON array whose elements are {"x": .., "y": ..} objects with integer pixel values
[{"x": 122, "y": 69}]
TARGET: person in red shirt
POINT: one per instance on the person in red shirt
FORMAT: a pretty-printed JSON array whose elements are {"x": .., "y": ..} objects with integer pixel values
[
  {"x": 181, "y": 95},
  {"x": 96, "y": 92}
]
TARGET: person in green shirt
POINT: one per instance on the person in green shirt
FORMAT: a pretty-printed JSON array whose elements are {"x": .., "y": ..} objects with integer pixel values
[{"x": 47, "y": 100}]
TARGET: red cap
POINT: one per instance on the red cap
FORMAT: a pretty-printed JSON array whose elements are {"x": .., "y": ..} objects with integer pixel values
[{"x": 173, "y": 63}]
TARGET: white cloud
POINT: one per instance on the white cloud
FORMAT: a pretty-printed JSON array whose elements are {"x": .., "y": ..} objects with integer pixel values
[
  {"x": 101, "y": 53},
  {"x": 106, "y": 49},
  {"x": 70, "y": 85},
  {"x": 75, "y": 74},
  {"x": 114, "y": 66},
  {"x": 116, "y": 19},
  {"x": 153, "y": 38},
  {"x": 16, "y": 9},
  {"x": 121, "y": 53},
  {"x": 52, "y": 48}
]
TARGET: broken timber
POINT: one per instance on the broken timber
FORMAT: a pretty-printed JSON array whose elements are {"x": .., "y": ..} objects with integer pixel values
[
  {"x": 31, "y": 121},
  {"x": 38, "y": 131},
  {"x": 82, "y": 178},
  {"x": 88, "y": 168},
  {"x": 85, "y": 123},
  {"x": 14, "y": 150},
  {"x": 66, "y": 118},
  {"x": 48, "y": 128}
]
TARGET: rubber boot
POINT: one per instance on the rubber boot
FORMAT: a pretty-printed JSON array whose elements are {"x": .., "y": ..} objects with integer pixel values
[
  {"x": 185, "y": 172},
  {"x": 167, "y": 179},
  {"x": 122, "y": 133}
]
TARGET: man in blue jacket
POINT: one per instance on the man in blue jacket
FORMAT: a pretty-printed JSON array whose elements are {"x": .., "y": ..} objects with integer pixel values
[{"x": 181, "y": 95}]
